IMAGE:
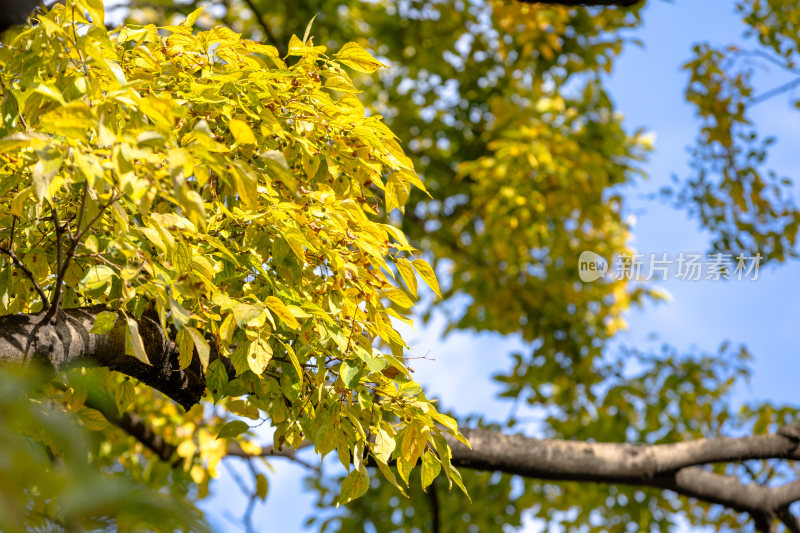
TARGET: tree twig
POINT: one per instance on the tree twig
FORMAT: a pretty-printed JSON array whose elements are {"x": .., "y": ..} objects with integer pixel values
[
  {"x": 267, "y": 32},
  {"x": 25, "y": 270},
  {"x": 75, "y": 239},
  {"x": 788, "y": 86}
]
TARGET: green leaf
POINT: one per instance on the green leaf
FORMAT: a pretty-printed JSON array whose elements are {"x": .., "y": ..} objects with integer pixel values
[
  {"x": 124, "y": 395},
  {"x": 185, "y": 348},
  {"x": 93, "y": 419},
  {"x": 262, "y": 486},
  {"x": 232, "y": 429},
  {"x": 354, "y": 485},
  {"x": 244, "y": 313},
  {"x": 430, "y": 468},
  {"x": 104, "y": 322},
  {"x": 216, "y": 379},
  {"x": 96, "y": 277},
  {"x": 179, "y": 313},
  {"x": 350, "y": 373},
  {"x": 404, "y": 469},
  {"x": 455, "y": 476}
]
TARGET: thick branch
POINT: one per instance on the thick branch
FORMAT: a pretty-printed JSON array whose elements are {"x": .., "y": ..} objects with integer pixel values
[
  {"x": 666, "y": 466},
  {"x": 13, "y": 12},
  {"x": 64, "y": 340},
  {"x": 789, "y": 520}
]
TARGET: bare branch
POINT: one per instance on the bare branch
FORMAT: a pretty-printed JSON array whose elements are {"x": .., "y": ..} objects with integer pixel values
[
  {"x": 264, "y": 27},
  {"x": 788, "y": 86}
]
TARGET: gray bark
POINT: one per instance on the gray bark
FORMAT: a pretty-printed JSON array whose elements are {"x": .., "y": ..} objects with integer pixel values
[
  {"x": 665, "y": 466},
  {"x": 64, "y": 339}
]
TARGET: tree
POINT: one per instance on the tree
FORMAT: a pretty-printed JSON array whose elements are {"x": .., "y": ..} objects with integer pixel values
[{"x": 218, "y": 219}]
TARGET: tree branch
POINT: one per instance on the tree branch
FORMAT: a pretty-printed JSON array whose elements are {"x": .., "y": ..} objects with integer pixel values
[
  {"x": 234, "y": 450},
  {"x": 75, "y": 239},
  {"x": 664, "y": 466},
  {"x": 25, "y": 270},
  {"x": 788, "y": 519},
  {"x": 264, "y": 27},
  {"x": 65, "y": 339}
]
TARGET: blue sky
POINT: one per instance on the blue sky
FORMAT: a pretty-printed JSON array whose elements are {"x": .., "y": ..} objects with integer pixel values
[{"x": 648, "y": 88}]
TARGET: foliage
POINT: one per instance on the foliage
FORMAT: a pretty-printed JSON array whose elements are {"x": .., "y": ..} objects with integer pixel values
[
  {"x": 732, "y": 191},
  {"x": 50, "y": 484},
  {"x": 244, "y": 194},
  {"x": 201, "y": 178}
]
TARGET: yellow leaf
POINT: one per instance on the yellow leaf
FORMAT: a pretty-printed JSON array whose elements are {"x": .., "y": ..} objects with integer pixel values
[
  {"x": 397, "y": 191},
  {"x": 295, "y": 362},
  {"x": 384, "y": 445},
  {"x": 259, "y": 355},
  {"x": 93, "y": 419},
  {"x": 430, "y": 468},
  {"x": 408, "y": 275},
  {"x": 134, "y": 345},
  {"x": 279, "y": 308},
  {"x": 241, "y": 131},
  {"x": 340, "y": 83},
  {"x": 18, "y": 202},
  {"x": 96, "y": 11},
  {"x": 202, "y": 347},
  {"x": 104, "y": 322},
  {"x": 427, "y": 274},
  {"x": 399, "y": 297},
  {"x": 72, "y": 120},
  {"x": 355, "y": 57},
  {"x": 193, "y": 16},
  {"x": 415, "y": 439},
  {"x": 50, "y": 92}
]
